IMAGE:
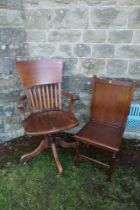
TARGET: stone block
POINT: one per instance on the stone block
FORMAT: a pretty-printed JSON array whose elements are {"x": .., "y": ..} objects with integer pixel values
[
  {"x": 82, "y": 50},
  {"x": 7, "y": 110},
  {"x": 94, "y": 36},
  {"x": 103, "y": 51},
  {"x": 12, "y": 124},
  {"x": 12, "y": 42},
  {"x": 36, "y": 36},
  {"x": 38, "y": 50},
  {"x": 90, "y": 66},
  {"x": 64, "y": 36},
  {"x": 77, "y": 84},
  {"x": 129, "y": 2},
  {"x": 12, "y": 4},
  {"x": 10, "y": 96},
  {"x": 4, "y": 51},
  {"x": 15, "y": 4},
  {"x": 116, "y": 67},
  {"x": 18, "y": 35},
  {"x": 70, "y": 66},
  {"x": 11, "y": 18},
  {"x": 32, "y": 2},
  {"x": 134, "y": 19},
  {"x": 50, "y": 3},
  {"x": 3, "y": 3},
  {"x": 134, "y": 69},
  {"x": 7, "y": 66},
  {"x": 85, "y": 99},
  {"x": 1, "y": 126},
  {"x": 65, "y": 50},
  {"x": 108, "y": 17},
  {"x": 39, "y": 19},
  {"x": 121, "y": 36},
  {"x": 71, "y": 18},
  {"x": 60, "y": 2},
  {"x": 97, "y": 2},
  {"x": 136, "y": 97},
  {"x": 9, "y": 83},
  {"x": 128, "y": 51},
  {"x": 15, "y": 50},
  {"x": 136, "y": 37}
]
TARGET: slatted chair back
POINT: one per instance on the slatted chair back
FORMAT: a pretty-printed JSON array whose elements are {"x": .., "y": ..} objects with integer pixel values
[
  {"x": 42, "y": 83},
  {"x": 111, "y": 101}
]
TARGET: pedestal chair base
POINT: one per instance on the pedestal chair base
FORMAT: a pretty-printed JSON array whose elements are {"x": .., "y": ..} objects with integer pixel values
[{"x": 49, "y": 142}]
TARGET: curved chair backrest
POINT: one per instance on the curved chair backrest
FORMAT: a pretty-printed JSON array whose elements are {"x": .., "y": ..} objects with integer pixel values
[
  {"x": 111, "y": 101},
  {"x": 42, "y": 83}
]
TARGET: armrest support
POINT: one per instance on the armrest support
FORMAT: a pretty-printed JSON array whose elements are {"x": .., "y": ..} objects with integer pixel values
[
  {"x": 72, "y": 97},
  {"x": 20, "y": 106}
]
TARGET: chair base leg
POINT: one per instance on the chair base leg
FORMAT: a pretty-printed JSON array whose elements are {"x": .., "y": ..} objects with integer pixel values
[
  {"x": 43, "y": 145},
  {"x": 49, "y": 142},
  {"x": 62, "y": 143},
  {"x": 57, "y": 161}
]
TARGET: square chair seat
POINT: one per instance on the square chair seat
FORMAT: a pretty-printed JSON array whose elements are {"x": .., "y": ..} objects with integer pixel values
[
  {"x": 100, "y": 135},
  {"x": 47, "y": 122}
]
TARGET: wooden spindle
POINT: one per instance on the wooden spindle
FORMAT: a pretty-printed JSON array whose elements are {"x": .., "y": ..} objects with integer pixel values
[
  {"x": 51, "y": 94},
  {"x": 48, "y": 97},
  {"x": 56, "y": 96},
  {"x": 32, "y": 99},
  {"x": 44, "y": 97},
  {"x": 59, "y": 96},
  {"x": 36, "y": 99},
  {"x": 39, "y": 97}
]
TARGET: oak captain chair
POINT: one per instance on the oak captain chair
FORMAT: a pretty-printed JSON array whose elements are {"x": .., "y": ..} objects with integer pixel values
[
  {"x": 109, "y": 110},
  {"x": 42, "y": 84}
]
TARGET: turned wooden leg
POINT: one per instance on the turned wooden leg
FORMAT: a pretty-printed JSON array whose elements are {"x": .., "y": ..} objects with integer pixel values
[
  {"x": 43, "y": 145},
  {"x": 112, "y": 166},
  {"x": 77, "y": 154},
  {"x": 55, "y": 155},
  {"x": 62, "y": 143}
]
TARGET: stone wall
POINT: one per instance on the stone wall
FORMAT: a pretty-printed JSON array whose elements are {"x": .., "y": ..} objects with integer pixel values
[
  {"x": 99, "y": 37},
  {"x": 12, "y": 44}
]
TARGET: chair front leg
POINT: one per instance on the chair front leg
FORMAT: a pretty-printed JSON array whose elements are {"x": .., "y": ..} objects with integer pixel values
[
  {"x": 77, "y": 154},
  {"x": 112, "y": 166}
]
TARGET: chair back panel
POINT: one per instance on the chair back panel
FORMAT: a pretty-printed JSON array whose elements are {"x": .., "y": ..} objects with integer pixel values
[
  {"x": 44, "y": 97},
  {"x": 40, "y": 72},
  {"x": 42, "y": 83},
  {"x": 111, "y": 101}
]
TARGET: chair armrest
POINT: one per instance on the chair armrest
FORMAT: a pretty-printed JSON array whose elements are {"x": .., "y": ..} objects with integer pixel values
[
  {"x": 20, "y": 106},
  {"x": 72, "y": 97}
]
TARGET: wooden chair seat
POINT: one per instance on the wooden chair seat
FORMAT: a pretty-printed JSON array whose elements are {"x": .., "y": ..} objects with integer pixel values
[
  {"x": 48, "y": 122},
  {"x": 100, "y": 135}
]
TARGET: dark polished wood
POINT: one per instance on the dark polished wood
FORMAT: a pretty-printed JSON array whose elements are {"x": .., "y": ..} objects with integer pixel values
[
  {"x": 42, "y": 84},
  {"x": 43, "y": 145},
  {"x": 40, "y": 72},
  {"x": 110, "y": 105},
  {"x": 48, "y": 122}
]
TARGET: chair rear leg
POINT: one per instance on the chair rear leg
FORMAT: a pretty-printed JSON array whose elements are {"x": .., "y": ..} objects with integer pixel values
[
  {"x": 77, "y": 154},
  {"x": 112, "y": 166}
]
